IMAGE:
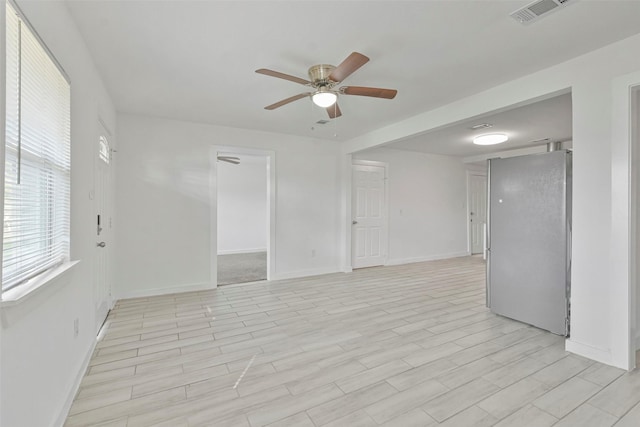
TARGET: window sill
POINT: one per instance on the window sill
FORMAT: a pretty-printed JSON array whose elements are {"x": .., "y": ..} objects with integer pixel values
[{"x": 21, "y": 293}]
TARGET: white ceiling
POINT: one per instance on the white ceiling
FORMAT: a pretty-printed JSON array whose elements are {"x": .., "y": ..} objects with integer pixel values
[
  {"x": 526, "y": 126},
  {"x": 195, "y": 60}
]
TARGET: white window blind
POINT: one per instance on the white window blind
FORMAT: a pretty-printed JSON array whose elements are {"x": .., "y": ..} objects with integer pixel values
[{"x": 37, "y": 158}]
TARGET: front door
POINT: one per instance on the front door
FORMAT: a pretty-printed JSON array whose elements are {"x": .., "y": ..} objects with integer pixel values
[
  {"x": 369, "y": 223},
  {"x": 102, "y": 227},
  {"x": 477, "y": 212}
]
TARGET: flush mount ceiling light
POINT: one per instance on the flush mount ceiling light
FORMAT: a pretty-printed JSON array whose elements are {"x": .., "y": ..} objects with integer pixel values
[
  {"x": 324, "y": 98},
  {"x": 490, "y": 139}
]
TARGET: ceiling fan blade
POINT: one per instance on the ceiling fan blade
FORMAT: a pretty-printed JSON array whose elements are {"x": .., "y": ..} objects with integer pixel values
[
  {"x": 229, "y": 159},
  {"x": 374, "y": 92},
  {"x": 348, "y": 66},
  {"x": 283, "y": 76},
  {"x": 286, "y": 101},
  {"x": 334, "y": 111}
]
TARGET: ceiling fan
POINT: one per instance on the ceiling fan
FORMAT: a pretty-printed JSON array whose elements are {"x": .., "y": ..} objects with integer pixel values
[{"x": 323, "y": 79}]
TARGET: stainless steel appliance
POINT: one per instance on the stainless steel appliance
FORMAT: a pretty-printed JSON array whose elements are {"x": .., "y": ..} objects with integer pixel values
[{"x": 529, "y": 239}]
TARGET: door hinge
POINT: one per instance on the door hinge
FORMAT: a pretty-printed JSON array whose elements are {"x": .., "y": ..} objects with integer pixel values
[{"x": 566, "y": 327}]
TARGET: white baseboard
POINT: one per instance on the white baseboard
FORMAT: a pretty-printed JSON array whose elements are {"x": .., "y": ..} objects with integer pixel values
[
  {"x": 594, "y": 353},
  {"x": 304, "y": 273},
  {"x": 400, "y": 261},
  {"x": 143, "y": 293},
  {"x": 241, "y": 251},
  {"x": 64, "y": 412}
]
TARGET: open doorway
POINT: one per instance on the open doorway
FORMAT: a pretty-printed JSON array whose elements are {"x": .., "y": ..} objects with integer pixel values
[{"x": 242, "y": 218}]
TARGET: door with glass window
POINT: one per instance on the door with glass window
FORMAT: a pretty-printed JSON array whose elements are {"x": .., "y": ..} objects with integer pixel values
[{"x": 102, "y": 227}]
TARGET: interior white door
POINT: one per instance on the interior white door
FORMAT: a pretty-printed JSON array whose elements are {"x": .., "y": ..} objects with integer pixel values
[
  {"x": 477, "y": 212},
  {"x": 369, "y": 223},
  {"x": 102, "y": 222}
]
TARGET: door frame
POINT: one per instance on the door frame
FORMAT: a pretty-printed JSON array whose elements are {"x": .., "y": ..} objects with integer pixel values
[
  {"x": 625, "y": 337},
  {"x": 634, "y": 290},
  {"x": 270, "y": 156},
  {"x": 385, "y": 246},
  {"x": 469, "y": 230}
]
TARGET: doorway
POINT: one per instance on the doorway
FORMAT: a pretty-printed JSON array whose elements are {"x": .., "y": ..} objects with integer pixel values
[
  {"x": 242, "y": 218},
  {"x": 103, "y": 224},
  {"x": 369, "y": 224},
  {"x": 477, "y": 203}
]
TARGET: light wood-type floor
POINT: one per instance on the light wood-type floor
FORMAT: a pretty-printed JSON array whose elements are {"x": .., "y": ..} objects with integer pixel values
[{"x": 398, "y": 346}]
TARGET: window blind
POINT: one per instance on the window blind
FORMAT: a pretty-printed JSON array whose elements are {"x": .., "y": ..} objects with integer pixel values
[{"x": 37, "y": 158}]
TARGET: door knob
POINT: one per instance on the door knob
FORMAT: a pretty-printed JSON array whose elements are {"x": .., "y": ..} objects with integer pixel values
[
  {"x": 101, "y": 244},
  {"x": 354, "y": 222}
]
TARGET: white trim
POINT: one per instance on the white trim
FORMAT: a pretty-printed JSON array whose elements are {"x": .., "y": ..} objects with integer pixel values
[
  {"x": 594, "y": 353},
  {"x": 306, "y": 273},
  {"x": 402, "y": 261},
  {"x": 176, "y": 289},
  {"x": 623, "y": 240},
  {"x": 213, "y": 216},
  {"x": 66, "y": 407},
  {"x": 634, "y": 193},
  {"x": 23, "y": 292},
  {"x": 346, "y": 170},
  {"x": 242, "y": 251},
  {"x": 369, "y": 163}
]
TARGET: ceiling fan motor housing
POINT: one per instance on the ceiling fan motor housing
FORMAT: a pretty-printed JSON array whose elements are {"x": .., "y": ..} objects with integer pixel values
[{"x": 319, "y": 75}]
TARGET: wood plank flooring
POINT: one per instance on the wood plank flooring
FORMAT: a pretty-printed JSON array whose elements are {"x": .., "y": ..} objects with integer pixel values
[{"x": 401, "y": 346}]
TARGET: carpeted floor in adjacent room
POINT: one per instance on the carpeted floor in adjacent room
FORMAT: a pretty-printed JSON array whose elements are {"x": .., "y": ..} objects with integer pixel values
[{"x": 242, "y": 268}]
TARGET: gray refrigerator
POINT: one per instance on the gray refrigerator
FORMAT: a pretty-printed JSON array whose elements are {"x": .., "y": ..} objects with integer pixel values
[{"x": 529, "y": 239}]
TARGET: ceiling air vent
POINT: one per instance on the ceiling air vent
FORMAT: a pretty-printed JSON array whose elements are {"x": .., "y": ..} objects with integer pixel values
[
  {"x": 481, "y": 126},
  {"x": 533, "y": 11}
]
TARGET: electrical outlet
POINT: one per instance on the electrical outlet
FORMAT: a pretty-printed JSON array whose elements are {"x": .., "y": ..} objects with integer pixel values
[{"x": 76, "y": 327}]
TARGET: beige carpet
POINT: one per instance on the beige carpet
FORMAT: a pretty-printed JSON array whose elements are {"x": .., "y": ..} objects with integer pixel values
[{"x": 242, "y": 268}]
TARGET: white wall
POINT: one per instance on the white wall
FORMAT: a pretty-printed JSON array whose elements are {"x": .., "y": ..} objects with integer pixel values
[
  {"x": 601, "y": 319},
  {"x": 162, "y": 195},
  {"x": 242, "y": 205},
  {"x": 41, "y": 359},
  {"x": 427, "y": 205}
]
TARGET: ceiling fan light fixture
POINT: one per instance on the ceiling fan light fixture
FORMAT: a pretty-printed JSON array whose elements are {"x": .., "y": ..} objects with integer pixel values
[
  {"x": 324, "y": 98},
  {"x": 490, "y": 139}
]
